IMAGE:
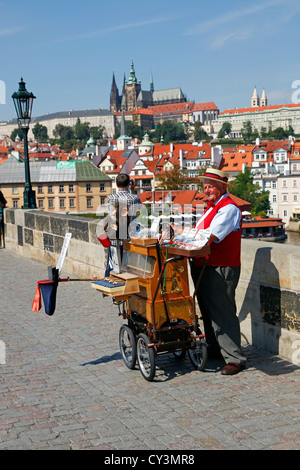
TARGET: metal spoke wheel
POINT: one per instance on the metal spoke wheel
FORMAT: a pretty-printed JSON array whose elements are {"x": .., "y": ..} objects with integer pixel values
[
  {"x": 198, "y": 355},
  {"x": 127, "y": 344},
  {"x": 145, "y": 357}
]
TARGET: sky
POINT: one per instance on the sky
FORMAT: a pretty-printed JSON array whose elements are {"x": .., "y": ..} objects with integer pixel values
[{"x": 67, "y": 50}]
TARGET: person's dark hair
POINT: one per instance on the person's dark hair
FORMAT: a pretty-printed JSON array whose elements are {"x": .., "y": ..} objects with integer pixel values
[{"x": 122, "y": 180}]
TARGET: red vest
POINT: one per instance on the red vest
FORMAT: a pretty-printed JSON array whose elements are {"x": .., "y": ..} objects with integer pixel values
[{"x": 228, "y": 251}]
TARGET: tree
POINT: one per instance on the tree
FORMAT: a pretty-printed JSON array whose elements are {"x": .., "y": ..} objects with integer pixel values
[
  {"x": 225, "y": 130},
  {"x": 246, "y": 130},
  {"x": 17, "y": 132},
  {"x": 199, "y": 132},
  {"x": 57, "y": 131},
  {"x": 134, "y": 130},
  {"x": 244, "y": 188},
  {"x": 40, "y": 132},
  {"x": 171, "y": 131},
  {"x": 97, "y": 132},
  {"x": 171, "y": 180},
  {"x": 81, "y": 131},
  {"x": 263, "y": 132}
]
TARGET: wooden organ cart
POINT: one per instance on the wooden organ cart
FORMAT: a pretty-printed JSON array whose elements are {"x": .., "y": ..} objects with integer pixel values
[{"x": 156, "y": 303}]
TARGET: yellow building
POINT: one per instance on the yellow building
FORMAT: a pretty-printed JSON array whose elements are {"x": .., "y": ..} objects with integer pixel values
[{"x": 70, "y": 186}]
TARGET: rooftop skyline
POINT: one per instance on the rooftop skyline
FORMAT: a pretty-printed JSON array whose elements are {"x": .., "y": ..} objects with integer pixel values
[{"x": 217, "y": 51}]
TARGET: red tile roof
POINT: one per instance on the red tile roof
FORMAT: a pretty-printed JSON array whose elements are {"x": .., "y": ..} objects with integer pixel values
[
  {"x": 173, "y": 108},
  {"x": 258, "y": 108}
]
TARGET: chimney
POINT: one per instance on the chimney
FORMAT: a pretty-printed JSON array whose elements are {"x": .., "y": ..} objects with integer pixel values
[{"x": 181, "y": 157}]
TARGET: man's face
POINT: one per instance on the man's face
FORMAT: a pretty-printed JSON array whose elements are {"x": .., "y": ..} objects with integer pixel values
[{"x": 213, "y": 190}]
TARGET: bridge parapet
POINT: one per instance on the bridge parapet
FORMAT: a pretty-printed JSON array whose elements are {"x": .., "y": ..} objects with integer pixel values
[{"x": 268, "y": 294}]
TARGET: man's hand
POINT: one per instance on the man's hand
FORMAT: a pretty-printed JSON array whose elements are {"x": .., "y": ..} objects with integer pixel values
[{"x": 212, "y": 238}]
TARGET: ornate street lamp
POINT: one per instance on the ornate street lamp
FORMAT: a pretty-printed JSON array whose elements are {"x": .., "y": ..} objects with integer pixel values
[{"x": 23, "y": 101}]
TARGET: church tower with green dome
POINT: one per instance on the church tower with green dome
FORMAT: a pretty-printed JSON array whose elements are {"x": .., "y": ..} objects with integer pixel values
[
  {"x": 133, "y": 97},
  {"x": 132, "y": 88}
]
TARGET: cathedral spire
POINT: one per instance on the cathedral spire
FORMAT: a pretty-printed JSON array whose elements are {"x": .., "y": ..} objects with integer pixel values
[
  {"x": 114, "y": 96},
  {"x": 132, "y": 77},
  {"x": 151, "y": 83}
]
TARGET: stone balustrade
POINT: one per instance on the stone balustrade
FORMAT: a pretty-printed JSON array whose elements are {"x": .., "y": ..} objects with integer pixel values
[{"x": 268, "y": 294}]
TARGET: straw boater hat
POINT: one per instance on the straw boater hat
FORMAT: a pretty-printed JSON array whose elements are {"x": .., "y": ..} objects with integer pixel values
[{"x": 216, "y": 175}]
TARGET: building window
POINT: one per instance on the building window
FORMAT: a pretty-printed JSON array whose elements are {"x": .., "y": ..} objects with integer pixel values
[
  {"x": 274, "y": 184},
  {"x": 89, "y": 202},
  {"x": 61, "y": 203},
  {"x": 285, "y": 213},
  {"x": 88, "y": 188},
  {"x": 294, "y": 183},
  {"x": 50, "y": 203},
  {"x": 41, "y": 203},
  {"x": 71, "y": 188},
  {"x": 102, "y": 201},
  {"x": 40, "y": 189},
  {"x": 284, "y": 183},
  {"x": 50, "y": 189},
  {"x": 295, "y": 197},
  {"x": 284, "y": 197},
  {"x": 102, "y": 186},
  {"x": 15, "y": 190},
  {"x": 61, "y": 188},
  {"x": 72, "y": 202},
  {"x": 274, "y": 198},
  {"x": 15, "y": 204}
]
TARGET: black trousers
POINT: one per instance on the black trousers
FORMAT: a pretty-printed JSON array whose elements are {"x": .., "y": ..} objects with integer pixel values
[{"x": 216, "y": 299}]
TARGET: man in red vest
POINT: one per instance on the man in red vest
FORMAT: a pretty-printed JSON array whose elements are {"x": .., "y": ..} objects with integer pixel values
[{"x": 216, "y": 293}]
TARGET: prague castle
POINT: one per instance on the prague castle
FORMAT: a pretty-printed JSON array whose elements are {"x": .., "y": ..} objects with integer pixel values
[{"x": 133, "y": 96}]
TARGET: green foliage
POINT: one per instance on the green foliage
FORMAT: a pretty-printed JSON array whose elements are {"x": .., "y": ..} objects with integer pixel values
[
  {"x": 173, "y": 179},
  {"x": 250, "y": 134},
  {"x": 225, "y": 130},
  {"x": 199, "y": 132},
  {"x": 244, "y": 188},
  {"x": 40, "y": 132},
  {"x": 17, "y": 132},
  {"x": 134, "y": 130},
  {"x": 82, "y": 131},
  {"x": 171, "y": 131},
  {"x": 70, "y": 138}
]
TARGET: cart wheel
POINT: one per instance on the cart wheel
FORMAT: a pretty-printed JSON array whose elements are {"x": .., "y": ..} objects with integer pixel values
[
  {"x": 145, "y": 357},
  {"x": 180, "y": 353},
  {"x": 198, "y": 355},
  {"x": 127, "y": 344}
]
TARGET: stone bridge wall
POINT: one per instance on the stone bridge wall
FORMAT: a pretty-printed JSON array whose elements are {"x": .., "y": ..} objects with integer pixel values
[{"x": 268, "y": 294}]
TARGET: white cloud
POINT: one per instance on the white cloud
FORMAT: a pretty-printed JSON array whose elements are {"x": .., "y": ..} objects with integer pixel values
[
  {"x": 113, "y": 29},
  {"x": 251, "y": 21},
  {"x": 8, "y": 31}
]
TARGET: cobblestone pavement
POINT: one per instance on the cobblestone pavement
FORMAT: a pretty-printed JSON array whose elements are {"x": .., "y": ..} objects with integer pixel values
[{"x": 63, "y": 383}]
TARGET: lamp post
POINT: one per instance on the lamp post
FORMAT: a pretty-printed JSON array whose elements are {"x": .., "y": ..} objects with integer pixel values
[{"x": 23, "y": 101}]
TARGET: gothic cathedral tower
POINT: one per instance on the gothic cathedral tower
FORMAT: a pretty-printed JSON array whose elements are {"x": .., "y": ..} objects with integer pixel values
[
  {"x": 131, "y": 90},
  {"x": 115, "y": 102}
]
